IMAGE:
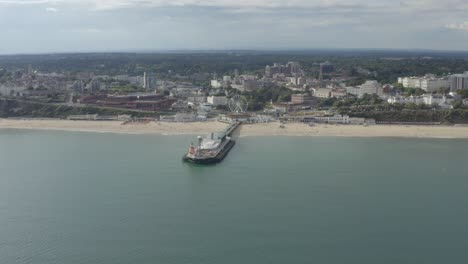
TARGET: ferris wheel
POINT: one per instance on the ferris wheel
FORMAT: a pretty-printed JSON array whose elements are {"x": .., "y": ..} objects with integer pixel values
[{"x": 238, "y": 104}]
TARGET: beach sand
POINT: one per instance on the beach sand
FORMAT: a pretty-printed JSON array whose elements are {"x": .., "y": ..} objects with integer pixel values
[{"x": 270, "y": 129}]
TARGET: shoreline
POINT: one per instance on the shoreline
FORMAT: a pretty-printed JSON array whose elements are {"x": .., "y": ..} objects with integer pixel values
[{"x": 246, "y": 130}]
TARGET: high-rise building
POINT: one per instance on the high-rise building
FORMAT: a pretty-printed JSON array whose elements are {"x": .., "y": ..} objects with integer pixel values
[
  {"x": 458, "y": 82},
  {"x": 148, "y": 82},
  {"x": 292, "y": 68},
  {"x": 326, "y": 69},
  {"x": 145, "y": 81}
]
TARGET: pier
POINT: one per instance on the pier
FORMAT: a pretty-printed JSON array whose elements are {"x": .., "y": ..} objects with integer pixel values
[
  {"x": 212, "y": 149},
  {"x": 231, "y": 128}
]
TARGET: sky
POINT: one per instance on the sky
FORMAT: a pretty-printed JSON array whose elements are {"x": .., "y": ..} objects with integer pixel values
[{"x": 45, "y": 26}]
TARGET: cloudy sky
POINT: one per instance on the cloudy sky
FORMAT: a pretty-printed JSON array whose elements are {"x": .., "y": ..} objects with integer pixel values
[{"x": 38, "y": 26}]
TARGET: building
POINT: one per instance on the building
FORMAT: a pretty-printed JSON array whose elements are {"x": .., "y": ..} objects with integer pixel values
[
  {"x": 458, "y": 82},
  {"x": 197, "y": 99},
  {"x": 298, "y": 81},
  {"x": 82, "y": 117},
  {"x": 427, "y": 99},
  {"x": 353, "y": 90},
  {"x": 180, "y": 117},
  {"x": 292, "y": 68},
  {"x": 149, "y": 82},
  {"x": 369, "y": 87},
  {"x": 434, "y": 84},
  {"x": 410, "y": 82},
  {"x": 216, "y": 84},
  {"x": 322, "y": 93},
  {"x": 428, "y": 83},
  {"x": 326, "y": 69},
  {"x": 94, "y": 85},
  {"x": 250, "y": 85},
  {"x": 387, "y": 90},
  {"x": 336, "y": 119},
  {"x": 338, "y": 92},
  {"x": 217, "y": 100},
  {"x": 284, "y": 107},
  {"x": 303, "y": 99}
]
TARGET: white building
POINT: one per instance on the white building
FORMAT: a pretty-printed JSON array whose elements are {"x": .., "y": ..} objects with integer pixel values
[
  {"x": 217, "y": 100},
  {"x": 338, "y": 93},
  {"x": 322, "y": 93},
  {"x": 216, "y": 84},
  {"x": 369, "y": 87},
  {"x": 198, "y": 99},
  {"x": 428, "y": 83},
  {"x": 336, "y": 119},
  {"x": 298, "y": 81},
  {"x": 434, "y": 84},
  {"x": 427, "y": 99},
  {"x": 410, "y": 82},
  {"x": 353, "y": 90}
]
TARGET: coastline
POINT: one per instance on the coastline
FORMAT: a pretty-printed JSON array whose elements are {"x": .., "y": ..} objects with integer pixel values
[{"x": 268, "y": 129}]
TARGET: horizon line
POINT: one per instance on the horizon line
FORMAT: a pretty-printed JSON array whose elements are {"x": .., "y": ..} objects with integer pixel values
[{"x": 194, "y": 51}]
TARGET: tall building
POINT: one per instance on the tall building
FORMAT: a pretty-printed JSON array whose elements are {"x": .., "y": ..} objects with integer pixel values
[
  {"x": 149, "y": 82},
  {"x": 458, "y": 82},
  {"x": 292, "y": 68},
  {"x": 326, "y": 69},
  {"x": 145, "y": 81}
]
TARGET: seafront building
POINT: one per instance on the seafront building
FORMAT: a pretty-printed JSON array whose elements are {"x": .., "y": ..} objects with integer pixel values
[
  {"x": 458, "y": 82},
  {"x": 369, "y": 87},
  {"x": 430, "y": 83},
  {"x": 303, "y": 99},
  {"x": 427, "y": 99},
  {"x": 328, "y": 119},
  {"x": 217, "y": 100},
  {"x": 322, "y": 93}
]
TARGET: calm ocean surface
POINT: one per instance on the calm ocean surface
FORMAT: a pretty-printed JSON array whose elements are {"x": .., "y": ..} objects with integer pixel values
[{"x": 104, "y": 198}]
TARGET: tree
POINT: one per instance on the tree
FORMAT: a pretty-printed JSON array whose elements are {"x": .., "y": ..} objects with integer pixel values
[
  {"x": 463, "y": 93},
  {"x": 457, "y": 104}
]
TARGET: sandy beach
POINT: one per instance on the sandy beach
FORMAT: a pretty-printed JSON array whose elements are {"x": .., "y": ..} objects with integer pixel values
[{"x": 270, "y": 129}]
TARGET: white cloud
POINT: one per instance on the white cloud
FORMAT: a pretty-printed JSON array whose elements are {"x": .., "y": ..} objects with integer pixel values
[
  {"x": 28, "y": 2},
  {"x": 109, "y": 4},
  {"x": 382, "y": 5},
  {"x": 461, "y": 26},
  {"x": 52, "y": 10}
]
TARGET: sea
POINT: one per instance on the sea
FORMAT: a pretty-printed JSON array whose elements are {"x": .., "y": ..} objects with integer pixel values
[{"x": 79, "y": 198}]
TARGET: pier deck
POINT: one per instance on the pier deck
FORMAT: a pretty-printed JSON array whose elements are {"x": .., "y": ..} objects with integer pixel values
[{"x": 231, "y": 128}]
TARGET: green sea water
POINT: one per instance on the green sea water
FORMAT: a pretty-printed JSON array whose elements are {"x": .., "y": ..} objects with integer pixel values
[{"x": 74, "y": 198}]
